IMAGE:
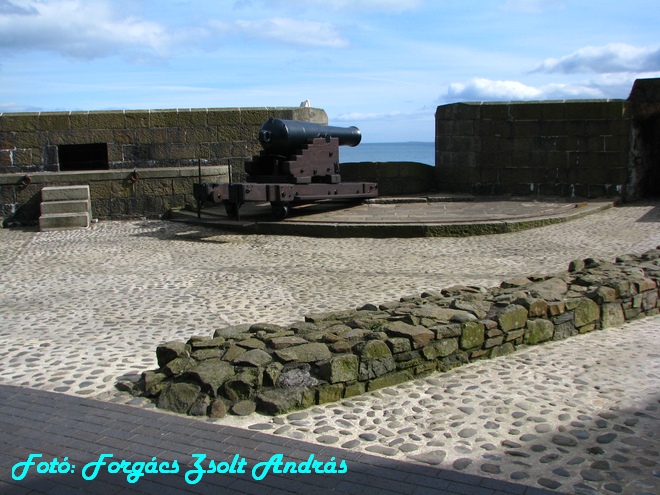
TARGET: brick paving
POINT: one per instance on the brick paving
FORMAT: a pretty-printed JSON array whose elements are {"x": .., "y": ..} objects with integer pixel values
[{"x": 59, "y": 426}]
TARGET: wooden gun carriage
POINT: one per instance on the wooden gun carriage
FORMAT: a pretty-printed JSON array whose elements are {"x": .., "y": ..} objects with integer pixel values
[{"x": 299, "y": 164}]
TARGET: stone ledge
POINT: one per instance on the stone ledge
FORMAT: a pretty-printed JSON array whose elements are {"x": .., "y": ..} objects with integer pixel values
[
  {"x": 107, "y": 175},
  {"x": 276, "y": 369}
]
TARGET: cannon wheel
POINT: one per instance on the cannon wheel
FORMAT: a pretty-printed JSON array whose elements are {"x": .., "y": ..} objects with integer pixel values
[{"x": 280, "y": 210}]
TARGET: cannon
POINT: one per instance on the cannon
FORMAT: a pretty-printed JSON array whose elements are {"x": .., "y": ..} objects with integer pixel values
[
  {"x": 299, "y": 163},
  {"x": 285, "y": 136}
]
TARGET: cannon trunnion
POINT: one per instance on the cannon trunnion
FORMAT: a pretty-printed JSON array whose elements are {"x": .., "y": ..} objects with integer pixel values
[{"x": 299, "y": 163}]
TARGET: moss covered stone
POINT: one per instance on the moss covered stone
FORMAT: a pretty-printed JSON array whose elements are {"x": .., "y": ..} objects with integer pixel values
[
  {"x": 512, "y": 317},
  {"x": 538, "y": 331},
  {"x": 343, "y": 368},
  {"x": 472, "y": 335}
]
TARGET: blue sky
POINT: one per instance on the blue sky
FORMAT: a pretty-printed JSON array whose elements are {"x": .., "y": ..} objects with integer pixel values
[{"x": 382, "y": 65}]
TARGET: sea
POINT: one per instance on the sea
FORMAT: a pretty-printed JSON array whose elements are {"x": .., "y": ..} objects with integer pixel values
[{"x": 420, "y": 152}]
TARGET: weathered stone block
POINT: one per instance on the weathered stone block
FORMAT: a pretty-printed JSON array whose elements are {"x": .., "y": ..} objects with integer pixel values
[
  {"x": 649, "y": 299},
  {"x": 169, "y": 351},
  {"x": 624, "y": 288},
  {"x": 284, "y": 342},
  {"x": 201, "y": 406},
  {"x": 342, "y": 368},
  {"x": 239, "y": 387},
  {"x": 232, "y": 352},
  {"x": 495, "y": 341},
  {"x": 502, "y": 350},
  {"x": 604, "y": 294},
  {"x": 178, "y": 397},
  {"x": 389, "y": 380},
  {"x": 418, "y": 335},
  {"x": 372, "y": 349},
  {"x": 177, "y": 366},
  {"x": 564, "y": 330},
  {"x": 536, "y": 307},
  {"x": 512, "y": 317},
  {"x": 587, "y": 311},
  {"x": 514, "y": 334},
  {"x": 284, "y": 400},
  {"x": 472, "y": 335},
  {"x": 210, "y": 353},
  {"x": 551, "y": 289},
  {"x": 244, "y": 408},
  {"x": 447, "y": 331},
  {"x": 272, "y": 373},
  {"x": 329, "y": 393},
  {"x": 204, "y": 343},
  {"x": 254, "y": 357},
  {"x": 399, "y": 344},
  {"x": 305, "y": 353},
  {"x": 612, "y": 315},
  {"x": 440, "y": 348},
  {"x": 153, "y": 382},
  {"x": 538, "y": 331},
  {"x": 356, "y": 388},
  {"x": 375, "y": 359},
  {"x": 211, "y": 374}
]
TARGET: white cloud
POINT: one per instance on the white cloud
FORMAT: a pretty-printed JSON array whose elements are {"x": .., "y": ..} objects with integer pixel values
[
  {"x": 610, "y": 58},
  {"x": 480, "y": 89},
  {"x": 79, "y": 29},
  {"x": 291, "y": 31}
]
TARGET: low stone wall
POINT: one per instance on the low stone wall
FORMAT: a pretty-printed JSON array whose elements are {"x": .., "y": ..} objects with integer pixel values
[
  {"x": 116, "y": 194},
  {"x": 393, "y": 178},
  {"x": 275, "y": 369}
]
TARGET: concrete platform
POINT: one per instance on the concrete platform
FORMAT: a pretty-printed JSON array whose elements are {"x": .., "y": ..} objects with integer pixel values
[{"x": 411, "y": 216}]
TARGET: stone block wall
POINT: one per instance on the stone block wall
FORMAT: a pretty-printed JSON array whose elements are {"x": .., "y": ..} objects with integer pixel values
[
  {"x": 393, "y": 178},
  {"x": 548, "y": 148},
  {"x": 117, "y": 194},
  {"x": 328, "y": 357},
  {"x": 31, "y": 147}
]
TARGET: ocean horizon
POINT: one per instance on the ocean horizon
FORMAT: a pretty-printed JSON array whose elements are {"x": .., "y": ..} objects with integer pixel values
[{"x": 421, "y": 152}]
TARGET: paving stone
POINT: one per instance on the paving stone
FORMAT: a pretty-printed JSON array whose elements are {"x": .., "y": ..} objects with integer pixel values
[
  {"x": 564, "y": 441},
  {"x": 247, "y": 281}
]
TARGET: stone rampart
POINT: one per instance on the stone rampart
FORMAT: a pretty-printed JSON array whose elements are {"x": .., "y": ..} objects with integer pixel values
[
  {"x": 393, "y": 178},
  {"x": 275, "y": 369},
  {"x": 545, "y": 148},
  {"x": 105, "y": 147}
]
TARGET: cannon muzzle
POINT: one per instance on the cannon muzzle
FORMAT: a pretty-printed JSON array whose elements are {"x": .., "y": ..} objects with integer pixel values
[{"x": 285, "y": 136}]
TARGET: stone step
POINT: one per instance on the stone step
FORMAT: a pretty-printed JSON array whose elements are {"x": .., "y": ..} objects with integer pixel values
[
  {"x": 73, "y": 206},
  {"x": 64, "y": 221},
  {"x": 65, "y": 193}
]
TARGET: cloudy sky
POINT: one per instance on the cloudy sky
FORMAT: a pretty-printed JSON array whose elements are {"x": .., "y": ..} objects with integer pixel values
[{"x": 383, "y": 65}]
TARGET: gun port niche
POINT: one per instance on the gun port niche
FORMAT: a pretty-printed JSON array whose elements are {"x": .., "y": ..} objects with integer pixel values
[{"x": 299, "y": 163}]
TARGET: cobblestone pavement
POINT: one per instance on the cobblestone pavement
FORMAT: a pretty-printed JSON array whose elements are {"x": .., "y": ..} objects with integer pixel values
[{"x": 82, "y": 308}]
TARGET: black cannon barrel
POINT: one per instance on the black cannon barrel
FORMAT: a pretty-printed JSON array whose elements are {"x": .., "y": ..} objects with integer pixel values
[{"x": 285, "y": 136}]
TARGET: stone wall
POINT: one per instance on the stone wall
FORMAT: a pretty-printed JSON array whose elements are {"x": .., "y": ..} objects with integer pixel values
[
  {"x": 549, "y": 148},
  {"x": 275, "y": 369},
  {"x": 393, "y": 178},
  {"x": 644, "y": 176},
  {"x": 35, "y": 146},
  {"x": 116, "y": 194}
]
